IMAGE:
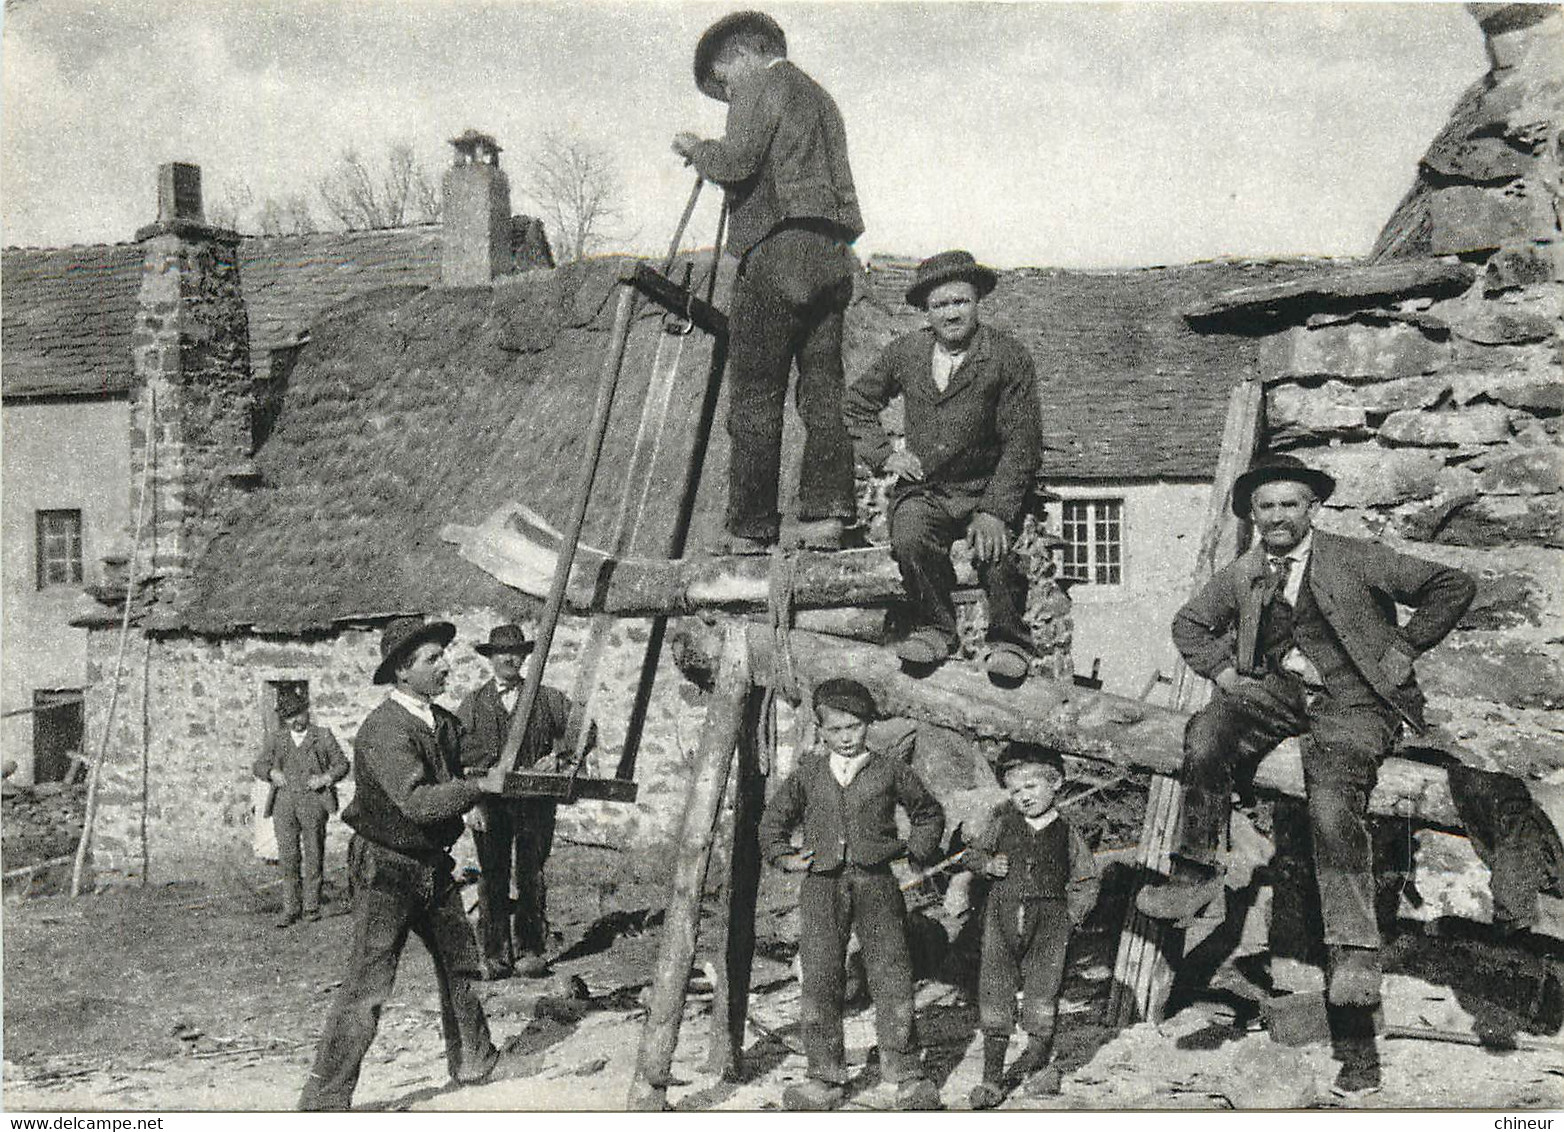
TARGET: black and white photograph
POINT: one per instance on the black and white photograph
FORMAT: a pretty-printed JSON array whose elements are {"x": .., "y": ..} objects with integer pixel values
[{"x": 658, "y": 556}]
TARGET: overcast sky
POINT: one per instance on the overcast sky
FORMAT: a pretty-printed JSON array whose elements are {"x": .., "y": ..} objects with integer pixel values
[{"x": 1035, "y": 134}]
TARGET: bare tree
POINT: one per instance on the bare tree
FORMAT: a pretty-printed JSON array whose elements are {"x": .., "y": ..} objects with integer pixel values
[
  {"x": 229, "y": 206},
  {"x": 360, "y": 197},
  {"x": 575, "y": 184},
  {"x": 290, "y": 217}
]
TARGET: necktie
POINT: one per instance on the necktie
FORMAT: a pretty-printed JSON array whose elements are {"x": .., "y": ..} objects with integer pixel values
[{"x": 1280, "y": 567}]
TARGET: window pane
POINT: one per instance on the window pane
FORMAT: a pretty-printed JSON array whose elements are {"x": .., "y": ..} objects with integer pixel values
[{"x": 59, "y": 548}]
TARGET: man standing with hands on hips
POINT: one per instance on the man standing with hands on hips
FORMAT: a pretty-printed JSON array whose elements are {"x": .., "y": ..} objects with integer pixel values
[{"x": 793, "y": 215}]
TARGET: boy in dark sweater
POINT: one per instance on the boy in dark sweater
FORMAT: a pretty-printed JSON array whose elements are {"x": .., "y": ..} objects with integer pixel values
[
  {"x": 1043, "y": 883},
  {"x": 844, "y": 797}
]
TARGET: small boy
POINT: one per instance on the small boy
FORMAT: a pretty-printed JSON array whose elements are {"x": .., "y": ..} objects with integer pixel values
[
  {"x": 1044, "y": 882},
  {"x": 844, "y": 796}
]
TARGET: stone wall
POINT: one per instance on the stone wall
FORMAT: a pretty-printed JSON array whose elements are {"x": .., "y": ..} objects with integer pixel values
[
  {"x": 176, "y": 801},
  {"x": 1440, "y": 421}
]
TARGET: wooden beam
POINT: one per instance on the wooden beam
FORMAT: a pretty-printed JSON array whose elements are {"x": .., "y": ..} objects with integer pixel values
[
  {"x": 1072, "y": 720},
  {"x": 516, "y": 546},
  {"x": 725, "y": 715}
]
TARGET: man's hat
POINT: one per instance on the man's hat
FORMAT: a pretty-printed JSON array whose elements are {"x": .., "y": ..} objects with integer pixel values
[
  {"x": 846, "y": 695},
  {"x": 948, "y": 267},
  {"x": 734, "y": 23},
  {"x": 290, "y": 703},
  {"x": 404, "y": 635},
  {"x": 1279, "y": 467},
  {"x": 505, "y": 638}
]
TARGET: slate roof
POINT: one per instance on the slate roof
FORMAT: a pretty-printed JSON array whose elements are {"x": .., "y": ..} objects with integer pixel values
[
  {"x": 66, "y": 317},
  {"x": 412, "y": 408},
  {"x": 1129, "y": 390},
  {"x": 68, "y": 313}
]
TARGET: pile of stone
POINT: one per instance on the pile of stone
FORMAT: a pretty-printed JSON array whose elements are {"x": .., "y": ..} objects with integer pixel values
[{"x": 40, "y": 823}]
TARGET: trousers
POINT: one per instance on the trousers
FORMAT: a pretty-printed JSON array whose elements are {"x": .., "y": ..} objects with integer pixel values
[
  {"x": 299, "y": 819},
  {"x": 394, "y": 895},
  {"x": 520, "y": 833},
  {"x": 1028, "y": 957},
  {"x": 788, "y": 301},
  {"x": 832, "y": 907},
  {"x": 1344, "y": 739},
  {"x": 925, "y": 523}
]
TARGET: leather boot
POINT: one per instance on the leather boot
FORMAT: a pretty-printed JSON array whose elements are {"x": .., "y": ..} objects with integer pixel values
[
  {"x": 812, "y": 1095},
  {"x": 1183, "y": 896}
]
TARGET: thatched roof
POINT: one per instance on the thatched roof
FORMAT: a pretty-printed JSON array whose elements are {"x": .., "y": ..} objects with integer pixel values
[{"x": 411, "y": 408}]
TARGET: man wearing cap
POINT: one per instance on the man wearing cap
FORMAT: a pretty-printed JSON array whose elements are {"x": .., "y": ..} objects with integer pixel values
[
  {"x": 792, "y": 217},
  {"x": 843, "y": 796},
  {"x": 303, "y": 763},
  {"x": 969, "y": 394},
  {"x": 1300, "y": 637},
  {"x": 406, "y": 813},
  {"x": 513, "y": 829}
]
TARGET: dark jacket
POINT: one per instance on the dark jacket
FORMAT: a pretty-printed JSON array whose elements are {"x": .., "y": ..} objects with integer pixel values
[
  {"x": 856, "y": 825},
  {"x": 485, "y": 723},
  {"x": 1357, "y": 585},
  {"x": 409, "y": 794},
  {"x": 980, "y": 437},
  {"x": 783, "y": 156},
  {"x": 1054, "y": 864},
  {"x": 320, "y": 752}
]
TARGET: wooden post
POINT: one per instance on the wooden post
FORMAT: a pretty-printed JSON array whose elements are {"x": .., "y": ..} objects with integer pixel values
[
  {"x": 607, "y": 385},
  {"x": 1143, "y": 971},
  {"x": 725, "y": 714},
  {"x": 730, "y": 1004}
]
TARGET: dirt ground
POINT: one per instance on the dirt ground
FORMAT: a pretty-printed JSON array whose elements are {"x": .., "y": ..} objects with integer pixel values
[{"x": 185, "y": 998}]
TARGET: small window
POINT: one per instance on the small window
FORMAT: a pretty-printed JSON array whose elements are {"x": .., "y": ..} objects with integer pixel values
[
  {"x": 59, "y": 548},
  {"x": 1093, "y": 531}
]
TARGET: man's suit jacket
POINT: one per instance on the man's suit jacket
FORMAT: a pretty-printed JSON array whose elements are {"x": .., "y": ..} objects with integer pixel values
[
  {"x": 782, "y": 157},
  {"x": 1357, "y": 585},
  {"x": 980, "y": 437},
  {"x": 485, "y": 723},
  {"x": 321, "y": 753},
  {"x": 409, "y": 793}
]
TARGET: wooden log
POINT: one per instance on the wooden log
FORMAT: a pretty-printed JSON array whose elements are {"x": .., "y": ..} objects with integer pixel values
[
  {"x": 1074, "y": 721},
  {"x": 517, "y": 547},
  {"x": 725, "y": 715},
  {"x": 730, "y": 1006}
]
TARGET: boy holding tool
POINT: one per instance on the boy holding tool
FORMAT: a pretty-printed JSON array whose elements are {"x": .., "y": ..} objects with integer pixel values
[
  {"x": 1044, "y": 883},
  {"x": 844, "y": 797},
  {"x": 793, "y": 215}
]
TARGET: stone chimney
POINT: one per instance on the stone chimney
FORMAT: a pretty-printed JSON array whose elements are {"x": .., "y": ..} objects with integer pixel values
[
  {"x": 477, "y": 237},
  {"x": 191, "y": 357}
]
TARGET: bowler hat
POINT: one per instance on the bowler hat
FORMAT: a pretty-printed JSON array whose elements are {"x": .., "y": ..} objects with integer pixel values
[
  {"x": 734, "y": 23},
  {"x": 290, "y": 703},
  {"x": 948, "y": 267},
  {"x": 505, "y": 638},
  {"x": 1281, "y": 466},
  {"x": 846, "y": 695},
  {"x": 404, "y": 635}
]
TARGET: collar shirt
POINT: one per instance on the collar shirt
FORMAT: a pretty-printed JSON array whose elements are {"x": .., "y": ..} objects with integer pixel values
[
  {"x": 509, "y": 696},
  {"x": 298, "y": 737},
  {"x": 1042, "y": 823},
  {"x": 944, "y": 365},
  {"x": 420, "y": 708},
  {"x": 844, "y": 770}
]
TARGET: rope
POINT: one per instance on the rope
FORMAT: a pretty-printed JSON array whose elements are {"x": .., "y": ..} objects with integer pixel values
[
  {"x": 780, "y": 585},
  {"x": 96, "y": 776}
]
